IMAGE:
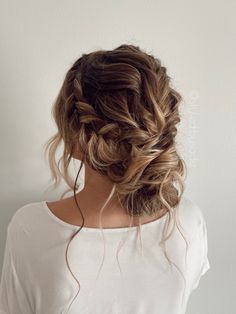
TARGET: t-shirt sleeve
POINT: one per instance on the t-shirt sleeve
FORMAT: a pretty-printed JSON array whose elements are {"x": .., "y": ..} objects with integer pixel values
[
  {"x": 13, "y": 299},
  {"x": 201, "y": 263}
]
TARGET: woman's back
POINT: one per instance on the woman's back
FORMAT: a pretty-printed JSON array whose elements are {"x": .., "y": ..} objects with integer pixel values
[{"x": 118, "y": 271}]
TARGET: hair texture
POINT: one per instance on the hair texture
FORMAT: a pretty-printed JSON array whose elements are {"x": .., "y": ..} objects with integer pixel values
[{"x": 118, "y": 109}]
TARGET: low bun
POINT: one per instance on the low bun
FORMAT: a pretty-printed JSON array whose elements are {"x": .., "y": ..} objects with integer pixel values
[{"x": 119, "y": 110}]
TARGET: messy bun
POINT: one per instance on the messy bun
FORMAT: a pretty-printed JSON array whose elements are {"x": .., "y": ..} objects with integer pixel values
[{"x": 117, "y": 108}]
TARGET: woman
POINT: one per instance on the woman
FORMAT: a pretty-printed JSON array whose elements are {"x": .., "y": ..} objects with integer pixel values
[{"x": 129, "y": 241}]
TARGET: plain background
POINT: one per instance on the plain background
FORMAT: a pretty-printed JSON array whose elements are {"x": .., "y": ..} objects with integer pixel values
[{"x": 195, "y": 41}]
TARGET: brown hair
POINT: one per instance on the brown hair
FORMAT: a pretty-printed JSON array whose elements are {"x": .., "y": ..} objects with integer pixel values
[{"x": 118, "y": 109}]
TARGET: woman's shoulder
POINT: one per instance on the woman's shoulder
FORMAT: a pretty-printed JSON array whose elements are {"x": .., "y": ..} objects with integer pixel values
[
  {"x": 190, "y": 214},
  {"x": 31, "y": 231},
  {"x": 25, "y": 215},
  {"x": 193, "y": 217}
]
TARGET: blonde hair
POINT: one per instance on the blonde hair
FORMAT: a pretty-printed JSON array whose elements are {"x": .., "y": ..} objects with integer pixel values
[{"x": 118, "y": 109}]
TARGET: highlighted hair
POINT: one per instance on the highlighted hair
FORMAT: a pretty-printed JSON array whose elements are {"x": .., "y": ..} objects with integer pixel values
[{"x": 117, "y": 108}]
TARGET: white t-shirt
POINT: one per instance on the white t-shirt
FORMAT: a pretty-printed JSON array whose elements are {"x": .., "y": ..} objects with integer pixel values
[{"x": 35, "y": 277}]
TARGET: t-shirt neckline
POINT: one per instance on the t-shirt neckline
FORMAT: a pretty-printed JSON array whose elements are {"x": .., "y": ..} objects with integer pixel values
[{"x": 106, "y": 230}]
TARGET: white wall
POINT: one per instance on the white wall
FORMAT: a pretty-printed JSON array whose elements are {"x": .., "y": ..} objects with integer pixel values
[{"x": 194, "y": 39}]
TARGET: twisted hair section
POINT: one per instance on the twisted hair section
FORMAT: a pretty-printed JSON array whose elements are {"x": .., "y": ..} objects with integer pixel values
[{"x": 117, "y": 108}]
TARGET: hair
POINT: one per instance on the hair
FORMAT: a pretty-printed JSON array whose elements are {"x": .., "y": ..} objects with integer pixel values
[{"x": 118, "y": 109}]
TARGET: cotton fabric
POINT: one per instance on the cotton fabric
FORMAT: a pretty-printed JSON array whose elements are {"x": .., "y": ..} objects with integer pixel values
[{"x": 35, "y": 277}]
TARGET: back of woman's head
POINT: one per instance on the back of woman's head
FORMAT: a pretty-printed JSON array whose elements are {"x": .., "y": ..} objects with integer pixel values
[{"x": 118, "y": 110}]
